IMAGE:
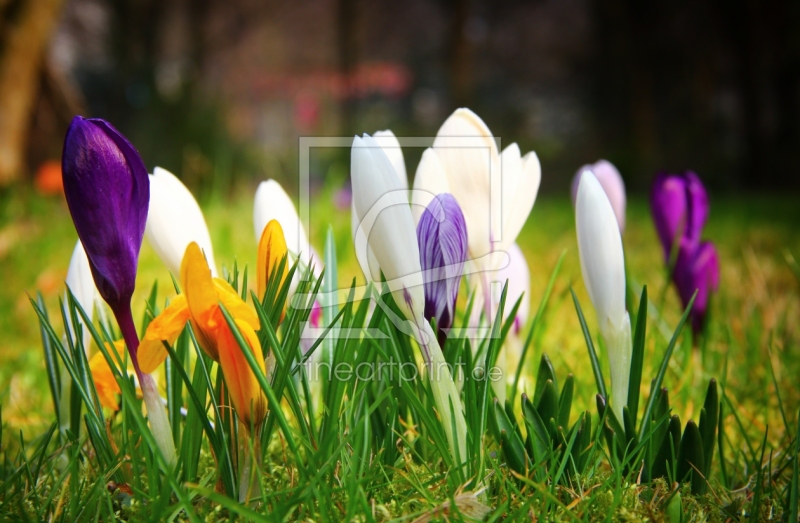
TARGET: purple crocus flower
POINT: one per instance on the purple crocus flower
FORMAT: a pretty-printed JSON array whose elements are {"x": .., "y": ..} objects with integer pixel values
[
  {"x": 108, "y": 192},
  {"x": 442, "y": 237},
  {"x": 679, "y": 203}
]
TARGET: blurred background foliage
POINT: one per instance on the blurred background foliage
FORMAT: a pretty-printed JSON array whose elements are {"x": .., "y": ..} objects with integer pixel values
[{"x": 220, "y": 90}]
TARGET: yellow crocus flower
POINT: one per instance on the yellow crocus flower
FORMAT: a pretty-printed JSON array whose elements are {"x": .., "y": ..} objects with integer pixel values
[
  {"x": 271, "y": 249},
  {"x": 200, "y": 304},
  {"x": 104, "y": 382}
]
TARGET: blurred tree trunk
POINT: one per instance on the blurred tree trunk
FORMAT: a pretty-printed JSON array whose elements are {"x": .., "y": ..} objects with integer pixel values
[
  {"x": 347, "y": 13},
  {"x": 459, "y": 54},
  {"x": 26, "y": 34}
]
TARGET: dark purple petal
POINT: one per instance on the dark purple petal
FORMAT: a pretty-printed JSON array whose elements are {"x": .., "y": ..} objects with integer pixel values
[
  {"x": 697, "y": 270},
  {"x": 442, "y": 237},
  {"x": 697, "y": 209},
  {"x": 107, "y": 191}
]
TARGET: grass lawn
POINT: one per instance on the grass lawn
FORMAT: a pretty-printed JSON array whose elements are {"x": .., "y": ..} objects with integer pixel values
[{"x": 752, "y": 349}]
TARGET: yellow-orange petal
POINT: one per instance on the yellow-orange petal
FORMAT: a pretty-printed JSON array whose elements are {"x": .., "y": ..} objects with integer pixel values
[
  {"x": 271, "y": 249},
  {"x": 104, "y": 382},
  {"x": 245, "y": 393},
  {"x": 237, "y": 307},
  {"x": 201, "y": 297},
  {"x": 164, "y": 327}
]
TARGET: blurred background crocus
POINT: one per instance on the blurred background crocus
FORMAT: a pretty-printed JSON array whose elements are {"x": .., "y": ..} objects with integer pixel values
[
  {"x": 680, "y": 208},
  {"x": 611, "y": 182},
  {"x": 603, "y": 270},
  {"x": 108, "y": 193},
  {"x": 442, "y": 237},
  {"x": 174, "y": 220}
]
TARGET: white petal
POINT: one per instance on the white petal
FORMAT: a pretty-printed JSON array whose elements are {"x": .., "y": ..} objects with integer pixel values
[
  {"x": 391, "y": 146},
  {"x": 366, "y": 259},
  {"x": 511, "y": 170},
  {"x": 524, "y": 197},
  {"x": 429, "y": 181},
  {"x": 382, "y": 207},
  {"x": 600, "y": 247},
  {"x": 272, "y": 203},
  {"x": 174, "y": 220},
  {"x": 81, "y": 283},
  {"x": 612, "y": 183},
  {"x": 468, "y": 154}
]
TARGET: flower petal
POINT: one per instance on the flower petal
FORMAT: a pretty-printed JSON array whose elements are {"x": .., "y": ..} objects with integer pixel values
[
  {"x": 164, "y": 327},
  {"x": 382, "y": 207},
  {"x": 272, "y": 203},
  {"x": 104, "y": 382},
  {"x": 201, "y": 297},
  {"x": 174, "y": 220},
  {"x": 79, "y": 281},
  {"x": 391, "y": 147},
  {"x": 245, "y": 392},
  {"x": 235, "y": 305},
  {"x": 468, "y": 154},
  {"x": 442, "y": 236},
  {"x": 600, "y": 247},
  {"x": 271, "y": 250},
  {"x": 430, "y": 180}
]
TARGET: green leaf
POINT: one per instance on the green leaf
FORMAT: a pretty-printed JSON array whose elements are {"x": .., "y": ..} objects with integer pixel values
[
  {"x": 637, "y": 356},
  {"x": 547, "y": 407},
  {"x": 546, "y": 372},
  {"x": 565, "y": 401},
  {"x": 663, "y": 465},
  {"x": 537, "y": 430},
  {"x": 537, "y": 320},
  {"x": 709, "y": 419},
  {"x": 662, "y": 370},
  {"x": 615, "y": 434},
  {"x": 587, "y": 336},
  {"x": 691, "y": 461}
]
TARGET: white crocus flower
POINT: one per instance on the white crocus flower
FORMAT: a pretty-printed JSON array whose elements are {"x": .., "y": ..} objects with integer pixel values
[
  {"x": 174, "y": 220},
  {"x": 603, "y": 269},
  {"x": 391, "y": 147},
  {"x": 385, "y": 217},
  {"x": 464, "y": 161}
]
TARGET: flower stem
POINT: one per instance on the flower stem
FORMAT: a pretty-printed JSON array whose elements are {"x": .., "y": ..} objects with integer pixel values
[{"x": 156, "y": 413}]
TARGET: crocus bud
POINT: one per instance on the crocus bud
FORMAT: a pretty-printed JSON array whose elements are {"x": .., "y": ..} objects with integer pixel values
[
  {"x": 679, "y": 204},
  {"x": 442, "y": 237},
  {"x": 107, "y": 191},
  {"x": 271, "y": 250},
  {"x": 680, "y": 208},
  {"x": 603, "y": 269},
  {"x": 174, "y": 220},
  {"x": 390, "y": 146},
  {"x": 612, "y": 184},
  {"x": 272, "y": 203},
  {"x": 385, "y": 220}
]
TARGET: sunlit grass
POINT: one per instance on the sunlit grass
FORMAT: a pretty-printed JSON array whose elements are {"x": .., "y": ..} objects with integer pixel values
[{"x": 752, "y": 342}]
